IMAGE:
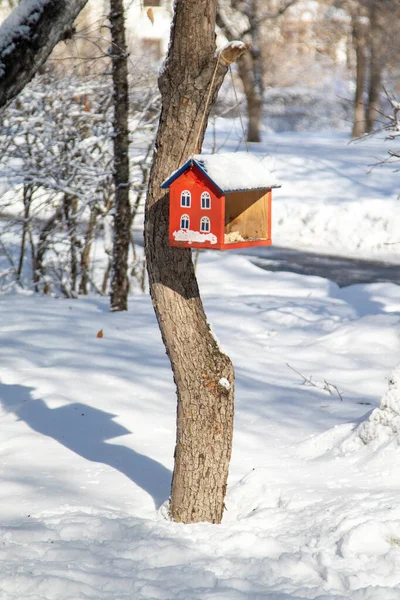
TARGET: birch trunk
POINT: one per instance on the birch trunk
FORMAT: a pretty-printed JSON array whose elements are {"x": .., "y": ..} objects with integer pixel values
[{"x": 205, "y": 406}]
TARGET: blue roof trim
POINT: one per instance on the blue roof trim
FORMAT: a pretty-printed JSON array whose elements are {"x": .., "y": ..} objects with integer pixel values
[
  {"x": 176, "y": 174},
  {"x": 183, "y": 168},
  {"x": 200, "y": 165}
]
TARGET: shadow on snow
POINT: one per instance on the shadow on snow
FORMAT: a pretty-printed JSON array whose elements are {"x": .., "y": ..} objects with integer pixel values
[{"x": 84, "y": 430}]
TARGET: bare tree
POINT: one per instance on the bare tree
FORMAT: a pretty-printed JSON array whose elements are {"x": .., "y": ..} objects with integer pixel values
[
  {"x": 203, "y": 373},
  {"x": 27, "y": 38},
  {"x": 242, "y": 19}
]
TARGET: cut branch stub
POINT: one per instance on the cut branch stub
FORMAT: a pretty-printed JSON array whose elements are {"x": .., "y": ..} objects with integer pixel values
[{"x": 232, "y": 51}]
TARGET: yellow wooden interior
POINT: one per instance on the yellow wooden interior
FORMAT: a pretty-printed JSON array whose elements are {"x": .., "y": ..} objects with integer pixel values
[{"x": 247, "y": 214}]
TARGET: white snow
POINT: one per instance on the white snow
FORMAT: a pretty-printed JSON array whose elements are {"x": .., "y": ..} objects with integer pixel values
[
  {"x": 18, "y": 25},
  {"x": 235, "y": 44},
  {"x": 88, "y": 424},
  {"x": 235, "y": 171},
  {"x": 190, "y": 236},
  {"x": 383, "y": 425},
  {"x": 87, "y": 441},
  {"x": 332, "y": 199},
  {"x": 225, "y": 383}
]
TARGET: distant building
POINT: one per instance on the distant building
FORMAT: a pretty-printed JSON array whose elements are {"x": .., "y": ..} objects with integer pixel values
[{"x": 153, "y": 36}]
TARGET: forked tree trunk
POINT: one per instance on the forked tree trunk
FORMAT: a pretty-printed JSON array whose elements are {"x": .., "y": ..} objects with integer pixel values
[
  {"x": 205, "y": 405},
  {"x": 359, "y": 32},
  {"x": 122, "y": 214}
]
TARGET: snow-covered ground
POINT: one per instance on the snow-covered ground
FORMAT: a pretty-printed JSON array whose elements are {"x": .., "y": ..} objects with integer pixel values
[
  {"x": 334, "y": 199},
  {"x": 87, "y": 439},
  {"x": 88, "y": 423}
]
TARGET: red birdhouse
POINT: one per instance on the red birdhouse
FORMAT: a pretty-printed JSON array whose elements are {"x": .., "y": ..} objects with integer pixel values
[{"x": 220, "y": 201}]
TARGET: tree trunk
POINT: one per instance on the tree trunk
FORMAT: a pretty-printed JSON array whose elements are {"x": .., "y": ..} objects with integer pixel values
[
  {"x": 70, "y": 209},
  {"x": 205, "y": 405},
  {"x": 42, "y": 247},
  {"x": 122, "y": 214},
  {"x": 375, "y": 80},
  {"x": 27, "y": 38},
  {"x": 85, "y": 253},
  {"x": 359, "y": 31},
  {"x": 27, "y": 200},
  {"x": 250, "y": 69},
  {"x": 247, "y": 67}
]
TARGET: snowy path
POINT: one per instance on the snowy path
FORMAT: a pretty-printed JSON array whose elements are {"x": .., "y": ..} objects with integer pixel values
[{"x": 341, "y": 270}]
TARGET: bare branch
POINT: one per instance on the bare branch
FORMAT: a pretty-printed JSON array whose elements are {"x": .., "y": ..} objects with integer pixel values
[
  {"x": 325, "y": 386},
  {"x": 266, "y": 16}
]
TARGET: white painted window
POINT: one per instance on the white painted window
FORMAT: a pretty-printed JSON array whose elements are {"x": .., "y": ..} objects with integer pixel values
[
  {"x": 205, "y": 224},
  {"x": 185, "y": 198},
  {"x": 205, "y": 201},
  {"x": 185, "y": 222}
]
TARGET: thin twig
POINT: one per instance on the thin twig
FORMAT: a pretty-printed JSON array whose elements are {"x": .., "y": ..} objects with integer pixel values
[{"x": 326, "y": 386}]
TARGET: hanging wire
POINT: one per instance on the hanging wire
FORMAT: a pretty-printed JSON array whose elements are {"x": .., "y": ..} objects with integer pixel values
[
  {"x": 238, "y": 109},
  {"x": 207, "y": 103}
]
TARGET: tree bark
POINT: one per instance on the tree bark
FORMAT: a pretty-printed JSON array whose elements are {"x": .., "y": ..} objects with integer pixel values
[
  {"x": 122, "y": 210},
  {"x": 247, "y": 66},
  {"x": 27, "y": 38},
  {"x": 70, "y": 209},
  {"x": 85, "y": 253},
  {"x": 27, "y": 200},
  {"x": 359, "y": 33},
  {"x": 376, "y": 47},
  {"x": 205, "y": 405}
]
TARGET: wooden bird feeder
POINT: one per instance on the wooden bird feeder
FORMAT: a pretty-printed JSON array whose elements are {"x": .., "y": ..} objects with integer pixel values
[{"x": 220, "y": 201}]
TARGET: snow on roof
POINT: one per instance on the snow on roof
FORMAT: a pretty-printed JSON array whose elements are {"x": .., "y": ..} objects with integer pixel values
[{"x": 230, "y": 171}]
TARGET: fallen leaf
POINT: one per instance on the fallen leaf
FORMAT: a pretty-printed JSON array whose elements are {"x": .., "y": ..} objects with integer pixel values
[
  {"x": 100, "y": 334},
  {"x": 150, "y": 14}
]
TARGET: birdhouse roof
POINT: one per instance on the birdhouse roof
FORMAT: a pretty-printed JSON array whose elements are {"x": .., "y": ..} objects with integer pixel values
[{"x": 230, "y": 171}]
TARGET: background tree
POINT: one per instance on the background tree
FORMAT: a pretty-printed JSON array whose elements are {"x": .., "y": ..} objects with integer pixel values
[
  {"x": 203, "y": 373},
  {"x": 359, "y": 25},
  {"x": 373, "y": 23},
  {"x": 243, "y": 19},
  {"x": 122, "y": 208}
]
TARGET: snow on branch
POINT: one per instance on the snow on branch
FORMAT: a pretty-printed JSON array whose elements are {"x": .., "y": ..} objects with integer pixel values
[{"x": 28, "y": 36}]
